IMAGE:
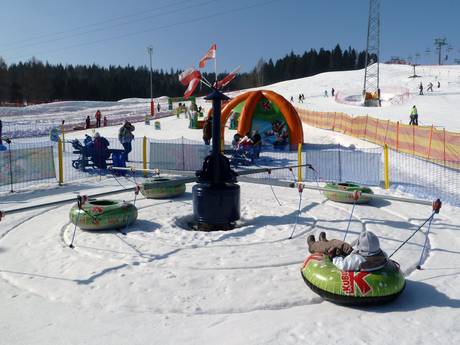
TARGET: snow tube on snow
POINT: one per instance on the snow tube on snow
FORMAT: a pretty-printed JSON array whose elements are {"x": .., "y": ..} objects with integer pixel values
[
  {"x": 156, "y": 188},
  {"x": 3, "y": 147},
  {"x": 352, "y": 288},
  {"x": 334, "y": 194},
  {"x": 103, "y": 214}
]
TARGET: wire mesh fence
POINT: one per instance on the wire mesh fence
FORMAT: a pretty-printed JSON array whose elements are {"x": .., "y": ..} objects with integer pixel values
[
  {"x": 27, "y": 164},
  {"x": 425, "y": 179},
  {"x": 30, "y": 163}
]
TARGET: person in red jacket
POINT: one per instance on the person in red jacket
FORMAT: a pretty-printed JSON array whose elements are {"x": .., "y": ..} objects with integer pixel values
[{"x": 98, "y": 118}]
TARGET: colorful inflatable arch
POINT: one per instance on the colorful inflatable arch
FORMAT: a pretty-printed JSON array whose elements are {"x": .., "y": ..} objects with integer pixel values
[{"x": 256, "y": 103}]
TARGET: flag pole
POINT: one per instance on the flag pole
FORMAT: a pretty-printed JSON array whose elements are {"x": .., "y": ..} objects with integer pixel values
[{"x": 215, "y": 66}]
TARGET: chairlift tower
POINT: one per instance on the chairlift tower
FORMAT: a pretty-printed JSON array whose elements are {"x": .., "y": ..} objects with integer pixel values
[
  {"x": 371, "y": 90},
  {"x": 439, "y": 43}
]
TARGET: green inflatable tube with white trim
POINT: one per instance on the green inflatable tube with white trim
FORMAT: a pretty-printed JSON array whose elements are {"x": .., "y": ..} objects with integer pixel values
[
  {"x": 334, "y": 195},
  {"x": 103, "y": 214},
  {"x": 153, "y": 188}
]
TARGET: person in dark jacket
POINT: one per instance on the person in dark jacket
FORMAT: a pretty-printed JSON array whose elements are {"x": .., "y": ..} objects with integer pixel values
[
  {"x": 126, "y": 136},
  {"x": 100, "y": 151},
  {"x": 98, "y": 118},
  {"x": 420, "y": 88},
  {"x": 256, "y": 143},
  {"x": 207, "y": 131},
  {"x": 88, "y": 122},
  {"x": 414, "y": 116}
]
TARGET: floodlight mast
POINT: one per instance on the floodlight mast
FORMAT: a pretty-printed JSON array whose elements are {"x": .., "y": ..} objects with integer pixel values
[{"x": 152, "y": 108}]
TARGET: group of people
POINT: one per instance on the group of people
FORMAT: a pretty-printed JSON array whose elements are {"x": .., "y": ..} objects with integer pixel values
[
  {"x": 367, "y": 256},
  {"x": 98, "y": 117},
  {"x": 98, "y": 146},
  {"x": 429, "y": 88},
  {"x": 300, "y": 98}
]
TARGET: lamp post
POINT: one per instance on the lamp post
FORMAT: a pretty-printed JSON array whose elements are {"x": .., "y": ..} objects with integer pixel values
[{"x": 152, "y": 108}]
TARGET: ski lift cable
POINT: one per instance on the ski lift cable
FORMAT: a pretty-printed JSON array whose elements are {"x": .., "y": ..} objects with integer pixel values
[
  {"x": 81, "y": 27},
  {"x": 66, "y": 37}
]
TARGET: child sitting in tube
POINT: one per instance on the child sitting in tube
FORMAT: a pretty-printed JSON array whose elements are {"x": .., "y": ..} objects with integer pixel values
[{"x": 366, "y": 257}]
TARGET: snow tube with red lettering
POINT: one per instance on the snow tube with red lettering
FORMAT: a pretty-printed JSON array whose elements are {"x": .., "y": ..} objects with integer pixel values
[{"x": 352, "y": 288}]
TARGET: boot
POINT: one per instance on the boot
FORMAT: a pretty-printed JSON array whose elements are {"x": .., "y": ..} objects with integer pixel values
[{"x": 322, "y": 236}]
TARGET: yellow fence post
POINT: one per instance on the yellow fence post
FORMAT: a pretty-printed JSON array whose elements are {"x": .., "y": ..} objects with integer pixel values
[
  {"x": 386, "y": 167},
  {"x": 144, "y": 155},
  {"x": 299, "y": 162},
  {"x": 63, "y": 136},
  {"x": 60, "y": 163}
]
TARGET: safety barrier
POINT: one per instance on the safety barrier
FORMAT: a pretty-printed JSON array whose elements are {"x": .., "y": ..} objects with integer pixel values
[
  {"x": 42, "y": 129},
  {"x": 428, "y": 142},
  {"x": 385, "y": 167}
]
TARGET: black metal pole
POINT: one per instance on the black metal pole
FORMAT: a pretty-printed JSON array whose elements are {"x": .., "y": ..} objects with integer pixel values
[
  {"x": 217, "y": 97},
  {"x": 216, "y": 106}
]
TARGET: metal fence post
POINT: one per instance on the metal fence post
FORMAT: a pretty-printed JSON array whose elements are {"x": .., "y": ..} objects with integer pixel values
[
  {"x": 299, "y": 162},
  {"x": 11, "y": 167},
  {"x": 386, "y": 166},
  {"x": 183, "y": 154},
  {"x": 144, "y": 155},
  {"x": 60, "y": 163},
  {"x": 429, "y": 142},
  {"x": 444, "y": 155},
  {"x": 340, "y": 164}
]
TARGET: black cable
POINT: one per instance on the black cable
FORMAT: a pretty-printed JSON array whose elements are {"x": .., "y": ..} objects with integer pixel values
[
  {"x": 67, "y": 37},
  {"x": 193, "y": 20},
  {"x": 34, "y": 38}
]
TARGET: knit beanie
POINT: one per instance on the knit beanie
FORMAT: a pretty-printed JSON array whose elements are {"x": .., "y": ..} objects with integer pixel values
[{"x": 368, "y": 244}]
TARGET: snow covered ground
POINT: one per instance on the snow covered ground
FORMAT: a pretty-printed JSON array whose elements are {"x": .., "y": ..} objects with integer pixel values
[
  {"x": 439, "y": 107},
  {"x": 163, "y": 284}
]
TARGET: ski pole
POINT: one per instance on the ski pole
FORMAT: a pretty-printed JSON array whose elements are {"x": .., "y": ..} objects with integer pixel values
[
  {"x": 356, "y": 196},
  {"x": 80, "y": 201},
  {"x": 136, "y": 193},
  {"x": 436, "y": 207},
  {"x": 298, "y": 210},
  {"x": 419, "y": 266},
  {"x": 271, "y": 187}
]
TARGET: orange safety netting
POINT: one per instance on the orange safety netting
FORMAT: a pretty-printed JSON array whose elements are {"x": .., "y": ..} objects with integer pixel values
[{"x": 424, "y": 141}]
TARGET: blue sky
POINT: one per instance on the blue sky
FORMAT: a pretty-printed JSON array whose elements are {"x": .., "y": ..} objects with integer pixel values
[{"x": 113, "y": 32}]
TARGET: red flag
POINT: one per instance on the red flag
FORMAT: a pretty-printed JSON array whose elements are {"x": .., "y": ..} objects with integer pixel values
[
  {"x": 211, "y": 54},
  {"x": 188, "y": 75},
  {"x": 228, "y": 78},
  {"x": 191, "y": 87}
]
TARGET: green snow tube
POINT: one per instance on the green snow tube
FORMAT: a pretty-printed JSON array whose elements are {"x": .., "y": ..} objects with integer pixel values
[
  {"x": 352, "y": 288},
  {"x": 334, "y": 195},
  {"x": 103, "y": 214},
  {"x": 154, "y": 188}
]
